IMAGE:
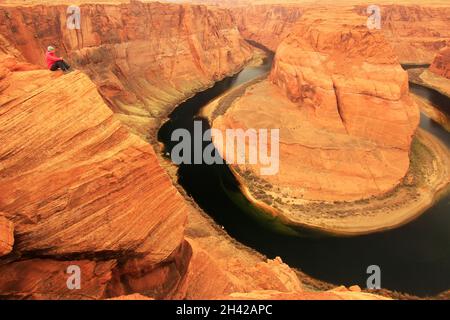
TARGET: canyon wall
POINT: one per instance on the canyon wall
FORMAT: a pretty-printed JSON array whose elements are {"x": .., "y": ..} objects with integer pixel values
[
  {"x": 143, "y": 57},
  {"x": 415, "y": 32},
  {"x": 266, "y": 24},
  {"x": 441, "y": 63},
  {"x": 437, "y": 76}
]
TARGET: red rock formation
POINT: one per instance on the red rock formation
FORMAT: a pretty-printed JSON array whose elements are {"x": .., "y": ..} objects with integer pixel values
[
  {"x": 6, "y": 236},
  {"x": 81, "y": 189},
  {"x": 72, "y": 176},
  {"x": 416, "y": 32},
  {"x": 347, "y": 129},
  {"x": 144, "y": 58},
  {"x": 441, "y": 63},
  {"x": 210, "y": 276},
  {"x": 267, "y": 24},
  {"x": 42, "y": 279},
  {"x": 437, "y": 77},
  {"x": 88, "y": 179}
]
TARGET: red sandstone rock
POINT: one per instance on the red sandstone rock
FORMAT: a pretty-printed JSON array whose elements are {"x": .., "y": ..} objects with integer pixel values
[
  {"x": 441, "y": 64},
  {"x": 267, "y": 24},
  {"x": 72, "y": 176},
  {"x": 416, "y": 32},
  {"x": 218, "y": 273},
  {"x": 347, "y": 126},
  {"x": 76, "y": 182},
  {"x": 6, "y": 235},
  {"x": 327, "y": 295},
  {"x": 42, "y": 279}
]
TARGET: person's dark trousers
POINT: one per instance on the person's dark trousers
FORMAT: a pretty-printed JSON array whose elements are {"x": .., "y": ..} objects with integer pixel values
[{"x": 61, "y": 64}]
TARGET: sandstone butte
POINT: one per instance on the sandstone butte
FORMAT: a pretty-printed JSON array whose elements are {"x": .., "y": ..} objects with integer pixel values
[
  {"x": 78, "y": 187},
  {"x": 341, "y": 100},
  {"x": 437, "y": 76}
]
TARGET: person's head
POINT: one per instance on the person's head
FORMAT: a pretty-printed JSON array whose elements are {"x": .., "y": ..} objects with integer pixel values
[{"x": 50, "y": 49}]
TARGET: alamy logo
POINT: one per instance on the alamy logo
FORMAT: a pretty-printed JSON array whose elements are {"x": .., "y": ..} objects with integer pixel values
[
  {"x": 374, "y": 281},
  {"x": 73, "y": 17},
  {"x": 74, "y": 280},
  {"x": 254, "y": 147},
  {"x": 374, "y": 19}
]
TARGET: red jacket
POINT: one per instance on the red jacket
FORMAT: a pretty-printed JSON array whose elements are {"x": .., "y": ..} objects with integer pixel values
[{"x": 51, "y": 58}]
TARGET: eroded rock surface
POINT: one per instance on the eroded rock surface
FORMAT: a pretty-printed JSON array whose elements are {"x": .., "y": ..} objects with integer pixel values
[
  {"x": 6, "y": 236},
  {"x": 436, "y": 77},
  {"x": 441, "y": 63},
  {"x": 267, "y": 24}
]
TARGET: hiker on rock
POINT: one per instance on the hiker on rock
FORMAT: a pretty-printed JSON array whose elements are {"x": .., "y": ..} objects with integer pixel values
[{"x": 53, "y": 62}]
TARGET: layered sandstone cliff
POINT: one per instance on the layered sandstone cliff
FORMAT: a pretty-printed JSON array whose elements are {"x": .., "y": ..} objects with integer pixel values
[
  {"x": 415, "y": 32},
  {"x": 72, "y": 176},
  {"x": 441, "y": 63},
  {"x": 143, "y": 57},
  {"x": 437, "y": 76},
  {"x": 266, "y": 24},
  {"x": 6, "y": 236}
]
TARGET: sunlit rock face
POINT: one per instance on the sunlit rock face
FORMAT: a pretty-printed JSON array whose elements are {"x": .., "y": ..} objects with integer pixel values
[
  {"x": 144, "y": 58},
  {"x": 78, "y": 186},
  {"x": 6, "y": 236},
  {"x": 441, "y": 64},
  {"x": 340, "y": 99},
  {"x": 266, "y": 24},
  {"x": 416, "y": 32}
]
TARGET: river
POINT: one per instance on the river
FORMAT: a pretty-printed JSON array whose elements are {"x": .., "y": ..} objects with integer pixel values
[{"x": 413, "y": 259}]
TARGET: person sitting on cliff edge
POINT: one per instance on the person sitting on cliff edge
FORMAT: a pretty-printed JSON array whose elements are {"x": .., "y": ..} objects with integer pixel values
[{"x": 53, "y": 62}]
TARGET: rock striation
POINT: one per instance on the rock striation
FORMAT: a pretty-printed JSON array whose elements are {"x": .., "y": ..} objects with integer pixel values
[
  {"x": 266, "y": 24},
  {"x": 6, "y": 236},
  {"x": 437, "y": 76},
  {"x": 441, "y": 63},
  {"x": 416, "y": 32}
]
